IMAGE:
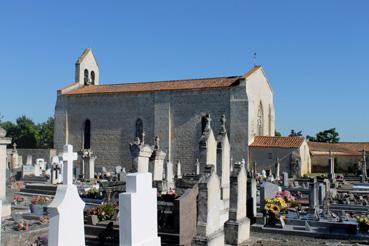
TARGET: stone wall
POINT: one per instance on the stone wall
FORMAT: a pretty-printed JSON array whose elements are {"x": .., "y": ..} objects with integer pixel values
[
  {"x": 45, "y": 154},
  {"x": 175, "y": 116},
  {"x": 342, "y": 163}
]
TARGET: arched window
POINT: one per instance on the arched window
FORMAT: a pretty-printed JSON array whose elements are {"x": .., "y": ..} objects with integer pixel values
[
  {"x": 93, "y": 77},
  {"x": 260, "y": 121},
  {"x": 139, "y": 128},
  {"x": 87, "y": 135},
  {"x": 85, "y": 79}
]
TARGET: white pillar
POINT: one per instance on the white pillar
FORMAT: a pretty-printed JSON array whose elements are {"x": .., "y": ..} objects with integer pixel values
[
  {"x": 6, "y": 208},
  {"x": 1, "y": 208},
  {"x": 66, "y": 227},
  {"x": 138, "y": 212}
]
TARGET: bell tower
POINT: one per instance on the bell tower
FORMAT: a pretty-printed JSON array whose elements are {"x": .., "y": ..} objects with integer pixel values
[{"x": 87, "y": 69}]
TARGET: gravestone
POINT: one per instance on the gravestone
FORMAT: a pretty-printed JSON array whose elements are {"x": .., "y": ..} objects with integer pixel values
[
  {"x": 179, "y": 170},
  {"x": 331, "y": 174},
  {"x": 4, "y": 141},
  {"x": 29, "y": 160},
  {"x": 251, "y": 198},
  {"x": 14, "y": 157},
  {"x": 140, "y": 153},
  {"x": 28, "y": 170},
  {"x": 263, "y": 174},
  {"x": 313, "y": 194},
  {"x": 197, "y": 167},
  {"x": 123, "y": 175},
  {"x": 321, "y": 194},
  {"x": 157, "y": 161},
  {"x": 138, "y": 212},
  {"x": 169, "y": 176},
  {"x": 285, "y": 179},
  {"x": 268, "y": 191},
  {"x": 207, "y": 145},
  {"x": 42, "y": 164},
  {"x": 237, "y": 228},
  {"x": 88, "y": 159},
  {"x": 277, "y": 169},
  {"x": 118, "y": 169},
  {"x": 223, "y": 159},
  {"x": 56, "y": 170},
  {"x": 38, "y": 169},
  {"x": 66, "y": 227},
  {"x": 209, "y": 228}
]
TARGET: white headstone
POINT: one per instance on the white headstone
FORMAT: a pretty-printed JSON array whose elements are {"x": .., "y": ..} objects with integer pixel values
[
  {"x": 38, "y": 170},
  {"x": 118, "y": 169},
  {"x": 41, "y": 162},
  {"x": 138, "y": 212},
  {"x": 170, "y": 176},
  {"x": 263, "y": 173},
  {"x": 179, "y": 170},
  {"x": 28, "y": 170},
  {"x": 6, "y": 210},
  {"x": 29, "y": 160},
  {"x": 123, "y": 175},
  {"x": 197, "y": 166},
  {"x": 66, "y": 227}
]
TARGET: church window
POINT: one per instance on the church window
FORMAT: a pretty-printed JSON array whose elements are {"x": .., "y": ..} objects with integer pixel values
[
  {"x": 270, "y": 156},
  {"x": 87, "y": 135},
  {"x": 139, "y": 128},
  {"x": 260, "y": 121},
  {"x": 93, "y": 77},
  {"x": 85, "y": 79}
]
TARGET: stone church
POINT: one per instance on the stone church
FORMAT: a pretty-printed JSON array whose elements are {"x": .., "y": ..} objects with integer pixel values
[{"x": 107, "y": 117}]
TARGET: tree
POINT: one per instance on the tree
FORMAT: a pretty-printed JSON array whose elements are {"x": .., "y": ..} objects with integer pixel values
[
  {"x": 294, "y": 133},
  {"x": 326, "y": 136},
  {"x": 46, "y": 133},
  {"x": 277, "y": 133},
  {"x": 27, "y": 134}
]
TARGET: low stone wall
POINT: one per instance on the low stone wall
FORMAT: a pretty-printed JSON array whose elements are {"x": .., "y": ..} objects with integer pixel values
[{"x": 46, "y": 154}]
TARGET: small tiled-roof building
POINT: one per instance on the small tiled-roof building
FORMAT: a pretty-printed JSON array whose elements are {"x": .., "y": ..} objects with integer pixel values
[
  {"x": 347, "y": 155},
  {"x": 106, "y": 117},
  {"x": 291, "y": 151}
]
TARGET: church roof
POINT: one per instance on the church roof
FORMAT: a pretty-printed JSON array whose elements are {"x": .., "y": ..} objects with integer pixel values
[
  {"x": 277, "y": 142},
  {"x": 341, "y": 148},
  {"x": 187, "y": 84}
]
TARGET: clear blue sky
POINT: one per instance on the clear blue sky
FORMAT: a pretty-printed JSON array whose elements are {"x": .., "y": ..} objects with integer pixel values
[{"x": 315, "y": 53}]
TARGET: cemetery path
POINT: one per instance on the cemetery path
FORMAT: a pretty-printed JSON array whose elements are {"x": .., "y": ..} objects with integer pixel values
[{"x": 267, "y": 239}]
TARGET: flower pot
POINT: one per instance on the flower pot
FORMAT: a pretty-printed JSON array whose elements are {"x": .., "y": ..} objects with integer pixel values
[
  {"x": 92, "y": 219},
  {"x": 37, "y": 209}
]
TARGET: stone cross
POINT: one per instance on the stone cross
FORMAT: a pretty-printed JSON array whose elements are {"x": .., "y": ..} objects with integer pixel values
[{"x": 68, "y": 157}]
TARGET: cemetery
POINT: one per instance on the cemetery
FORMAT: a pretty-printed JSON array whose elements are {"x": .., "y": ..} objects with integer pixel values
[{"x": 221, "y": 202}]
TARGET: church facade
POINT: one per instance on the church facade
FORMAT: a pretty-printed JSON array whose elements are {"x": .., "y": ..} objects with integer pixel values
[{"x": 106, "y": 118}]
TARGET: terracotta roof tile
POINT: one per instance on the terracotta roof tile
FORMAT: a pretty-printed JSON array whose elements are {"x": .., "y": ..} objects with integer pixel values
[
  {"x": 341, "y": 148},
  {"x": 187, "y": 84},
  {"x": 277, "y": 142},
  {"x": 158, "y": 86}
]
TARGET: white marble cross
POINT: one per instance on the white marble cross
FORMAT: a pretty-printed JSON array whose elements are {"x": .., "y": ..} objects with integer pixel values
[{"x": 68, "y": 157}]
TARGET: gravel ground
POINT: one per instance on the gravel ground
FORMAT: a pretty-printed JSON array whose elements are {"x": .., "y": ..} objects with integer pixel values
[{"x": 267, "y": 239}]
